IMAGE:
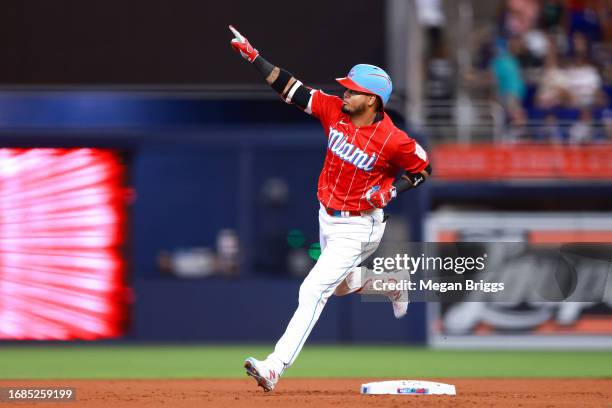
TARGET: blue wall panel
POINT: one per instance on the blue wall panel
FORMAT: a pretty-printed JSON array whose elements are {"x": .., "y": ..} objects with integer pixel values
[
  {"x": 258, "y": 310},
  {"x": 184, "y": 196}
]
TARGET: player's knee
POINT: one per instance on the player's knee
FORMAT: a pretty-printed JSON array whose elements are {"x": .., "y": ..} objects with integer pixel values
[
  {"x": 309, "y": 291},
  {"x": 306, "y": 291}
]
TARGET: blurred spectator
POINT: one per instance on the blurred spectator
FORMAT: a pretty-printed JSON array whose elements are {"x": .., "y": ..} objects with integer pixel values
[
  {"x": 518, "y": 17},
  {"x": 537, "y": 46},
  {"x": 583, "y": 131},
  {"x": 551, "y": 131},
  {"x": 507, "y": 74},
  {"x": 164, "y": 262},
  {"x": 430, "y": 13},
  {"x": 484, "y": 48},
  {"x": 200, "y": 262},
  {"x": 583, "y": 79},
  {"x": 552, "y": 87},
  {"x": 440, "y": 71},
  {"x": 196, "y": 262},
  {"x": 228, "y": 253},
  {"x": 299, "y": 263},
  {"x": 431, "y": 16},
  {"x": 440, "y": 75}
]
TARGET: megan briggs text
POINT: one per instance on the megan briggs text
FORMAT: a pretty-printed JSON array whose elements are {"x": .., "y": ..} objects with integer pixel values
[{"x": 467, "y": 285}]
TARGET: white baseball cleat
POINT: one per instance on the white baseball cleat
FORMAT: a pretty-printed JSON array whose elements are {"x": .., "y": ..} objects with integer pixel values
[
  {"x": 262, "y": 372},
  {"x": 400, "y": 307}
]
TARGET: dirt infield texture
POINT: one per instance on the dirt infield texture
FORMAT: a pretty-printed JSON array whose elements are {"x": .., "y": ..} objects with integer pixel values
[{"x": 338, "y": 393}]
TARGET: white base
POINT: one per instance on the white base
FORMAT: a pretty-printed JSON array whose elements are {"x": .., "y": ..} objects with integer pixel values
[{"x": 408, "y": 387}]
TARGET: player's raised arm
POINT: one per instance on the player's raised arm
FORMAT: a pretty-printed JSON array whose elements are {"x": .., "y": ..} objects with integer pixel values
[{"x": 290, "y": 89}]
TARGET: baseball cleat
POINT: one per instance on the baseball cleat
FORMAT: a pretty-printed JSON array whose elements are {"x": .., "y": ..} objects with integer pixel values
[
  {"x": 400, "y": 308},
  {"x": 266, "y": 377}
]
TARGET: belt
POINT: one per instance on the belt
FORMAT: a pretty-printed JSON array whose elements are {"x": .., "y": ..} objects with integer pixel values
[{"x": 337, "y": 213}]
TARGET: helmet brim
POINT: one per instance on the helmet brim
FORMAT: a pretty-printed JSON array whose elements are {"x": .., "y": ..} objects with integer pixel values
[{"x": 352, "y": 85}]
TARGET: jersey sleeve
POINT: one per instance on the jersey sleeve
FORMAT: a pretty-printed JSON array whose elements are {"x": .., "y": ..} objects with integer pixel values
[
  {"x": 324, "y": 107},
  {"x": 409, "y": 155}
]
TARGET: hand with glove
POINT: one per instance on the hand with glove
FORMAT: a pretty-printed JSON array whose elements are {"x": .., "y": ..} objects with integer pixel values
[
  {"x": 243, "y": 46},
  {"x": 380, "y": 198}
]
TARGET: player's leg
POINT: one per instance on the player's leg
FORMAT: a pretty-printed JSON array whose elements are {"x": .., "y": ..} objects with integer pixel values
[
  {"x": 345, "y": 243},
  {"x": 322, "y": 239},
  {"x": 352, "y": 283},
  {"x": 348, "y": 243},
  {"x": 356, "y": 281}
]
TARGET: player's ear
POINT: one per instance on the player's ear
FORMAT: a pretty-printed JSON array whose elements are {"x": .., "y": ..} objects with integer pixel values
[{"x": 372, "y": 100}]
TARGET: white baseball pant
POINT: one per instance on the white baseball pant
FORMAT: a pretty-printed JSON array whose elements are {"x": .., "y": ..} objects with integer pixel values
[{"x": 345, "y": 243}]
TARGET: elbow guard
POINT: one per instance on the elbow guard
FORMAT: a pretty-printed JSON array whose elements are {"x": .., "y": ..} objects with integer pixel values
[
  {"x": 412, "y": 180},
  {"x": 298, "y": 94},
  {"x": 281, "y": 82},
  {"x": 418, "y": 178}
]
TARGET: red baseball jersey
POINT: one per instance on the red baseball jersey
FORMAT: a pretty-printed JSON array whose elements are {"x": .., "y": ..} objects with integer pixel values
[{"x": 359, "y": 158}]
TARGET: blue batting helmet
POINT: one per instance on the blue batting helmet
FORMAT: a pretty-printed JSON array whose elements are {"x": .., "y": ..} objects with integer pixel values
[{"x": 369, "y": 79}]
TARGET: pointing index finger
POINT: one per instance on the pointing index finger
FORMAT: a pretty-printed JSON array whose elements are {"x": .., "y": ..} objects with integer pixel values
[{"x": 236, "y": 33}]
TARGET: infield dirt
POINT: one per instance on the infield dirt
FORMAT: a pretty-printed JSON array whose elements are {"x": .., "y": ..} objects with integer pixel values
[{"x": 294, "y": 392}]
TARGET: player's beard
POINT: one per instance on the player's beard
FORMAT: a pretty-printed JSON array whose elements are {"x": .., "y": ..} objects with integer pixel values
[{"x": 358, "y": 110}]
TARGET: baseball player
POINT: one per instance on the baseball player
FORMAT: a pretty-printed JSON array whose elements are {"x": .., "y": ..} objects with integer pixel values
[{"x": 365, "y": 153}]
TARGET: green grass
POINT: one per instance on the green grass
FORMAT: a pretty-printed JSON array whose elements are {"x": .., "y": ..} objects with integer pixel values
[{"x": 73, "y": 362}]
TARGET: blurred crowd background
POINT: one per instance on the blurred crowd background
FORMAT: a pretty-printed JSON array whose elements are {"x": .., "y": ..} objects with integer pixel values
[
  {"x": 216, "y": 198},
  {"x": 549, "y": 65},
  {"x": 545, "y": 64}
]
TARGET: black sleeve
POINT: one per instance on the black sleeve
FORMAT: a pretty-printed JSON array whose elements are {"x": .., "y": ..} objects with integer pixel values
[
  {"x": 411, "y": 180},
  {"x": 263, "y": 66}
]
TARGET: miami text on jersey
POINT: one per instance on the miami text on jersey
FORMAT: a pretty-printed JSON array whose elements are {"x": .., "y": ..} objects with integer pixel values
[{"x": 348, "y": 152}]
